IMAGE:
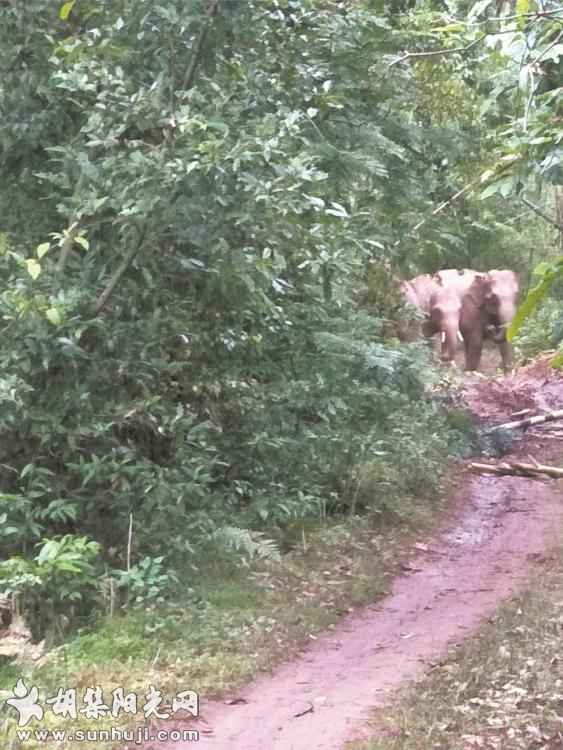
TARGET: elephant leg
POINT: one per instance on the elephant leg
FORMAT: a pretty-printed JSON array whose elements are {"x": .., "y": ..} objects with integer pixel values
[{"x": 473, "y": 348}]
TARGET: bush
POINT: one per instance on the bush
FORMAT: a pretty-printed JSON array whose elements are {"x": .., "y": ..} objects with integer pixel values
[
  {"x": 542, "y": 330},
  {"x": 59, "y": 585}
]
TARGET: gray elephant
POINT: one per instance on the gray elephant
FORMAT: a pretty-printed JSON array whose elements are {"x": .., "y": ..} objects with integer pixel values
[{"x": 487, "y": 309}]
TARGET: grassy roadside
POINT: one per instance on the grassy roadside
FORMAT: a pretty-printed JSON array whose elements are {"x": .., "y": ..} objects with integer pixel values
[
  {"x": 235, "y": 622},
  {"x": 503, "y": 689}
]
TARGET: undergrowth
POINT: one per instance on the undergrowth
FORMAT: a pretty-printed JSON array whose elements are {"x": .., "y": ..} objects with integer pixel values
[{"x": 235, "y": 621}]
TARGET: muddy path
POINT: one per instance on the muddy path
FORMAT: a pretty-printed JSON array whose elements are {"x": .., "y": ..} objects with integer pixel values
[{"x": 492, "y": 542}]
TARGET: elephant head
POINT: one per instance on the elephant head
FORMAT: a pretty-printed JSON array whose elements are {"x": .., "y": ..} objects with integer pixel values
[
  {"x": 438, "y": 297},
  {"x": 487, "y": 309},
  {"x": 501, "y": 298},
  {"x": 417, "y": 292},
  {"x": 457, "y": 280}
]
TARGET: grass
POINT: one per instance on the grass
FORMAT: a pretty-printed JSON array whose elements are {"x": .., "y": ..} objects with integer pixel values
[{"x": 501, "y": 690}]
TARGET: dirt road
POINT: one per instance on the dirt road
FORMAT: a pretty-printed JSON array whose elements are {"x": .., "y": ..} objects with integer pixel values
[{"x": 485, "y": 551}]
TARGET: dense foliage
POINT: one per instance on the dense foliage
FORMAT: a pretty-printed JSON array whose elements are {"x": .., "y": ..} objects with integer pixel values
[{"x": 203, "y": 212}]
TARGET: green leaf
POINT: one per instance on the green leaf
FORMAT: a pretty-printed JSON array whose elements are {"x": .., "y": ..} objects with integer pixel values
[
  {"x": 33, "y": 268},
  {"x": 66, "y": 10},
  {"x": 490, "y": 190},
  {"x": 533, "y": 299},
  {"x": 48, "y": 552},
  {"x": 522, "y": 6},
  {"x": 557, "y": 361},
  {"x": 450, "y": 27},
  {"x": 25, "y": 471},
  {"x": 479, "y": 8},
  {"x": 541, "y": 269},
  {"x": 83, "y": 242},
  {"x": 53, "y": 316},
  {"x": 507, "y": 186},
  {"x": 42, "y": 249}
]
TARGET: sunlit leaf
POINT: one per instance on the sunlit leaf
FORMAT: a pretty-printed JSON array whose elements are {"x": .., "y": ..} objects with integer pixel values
[
  {"x": 33, "y": 268},
  {"x": 42, "y": 249},
  {"x": 53, "y": 316},
  {"x": 66, "y": 10},
  {"x": 82, "y": 241},
  {"x": 522, "y": 6}
]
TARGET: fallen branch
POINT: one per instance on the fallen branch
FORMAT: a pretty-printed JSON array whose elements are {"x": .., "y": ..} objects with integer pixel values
[
  {"x": 551, "y": 417},
  {"x": 518, "y": 469},
  {"x": 521, "y": 413}
]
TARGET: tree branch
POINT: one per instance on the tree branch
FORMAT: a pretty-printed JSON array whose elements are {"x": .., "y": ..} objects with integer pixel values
[
  {"x": 120, "y": 270},
  {"x": 66, "y": 246},
  {"x": 534, "y": 14},
  {"x": 537, "y": 14},
  {"x": 444, "y": 204},
  {"x": 437, "y": 52},
  {"x": 438, "y": 209},
  {"x": 499, "y": 171},
  {"x": 200, "y": 39},
  {"x": 547, "y": 49},
  {"x": 543, "y": 215}
]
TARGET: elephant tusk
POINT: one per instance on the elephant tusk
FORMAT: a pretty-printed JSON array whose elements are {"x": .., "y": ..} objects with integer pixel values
[
  {"x": 443, "y": 336},
  {"x": 460, "y": 337}
]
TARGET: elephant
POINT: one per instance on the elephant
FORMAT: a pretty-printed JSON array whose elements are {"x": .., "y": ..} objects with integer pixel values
[
  {"x": 439, "y": 297},
  {"x": 445, "y": 307},
  {"x": 487, "y": 309},
  {"x": 416, "y": 292}
]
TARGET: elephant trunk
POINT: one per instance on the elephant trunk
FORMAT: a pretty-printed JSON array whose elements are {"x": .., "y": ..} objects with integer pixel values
[
  {"x": 500, "y": 316},
  {"x": 449, "y": 346}
]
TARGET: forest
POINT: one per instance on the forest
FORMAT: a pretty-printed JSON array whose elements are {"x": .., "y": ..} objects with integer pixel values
[{"x": 209, "y": 395}]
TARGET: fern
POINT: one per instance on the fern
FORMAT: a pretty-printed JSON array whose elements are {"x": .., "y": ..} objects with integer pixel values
[
  {"x": 400, "y": 368},
  {"x": 251, "y": 544}
]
